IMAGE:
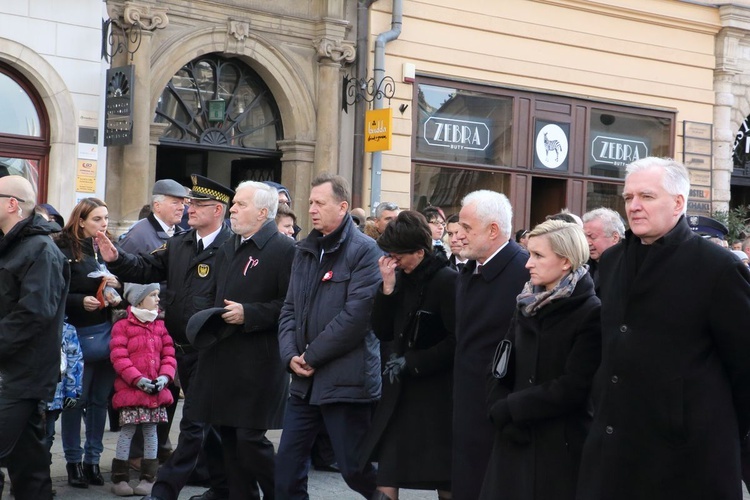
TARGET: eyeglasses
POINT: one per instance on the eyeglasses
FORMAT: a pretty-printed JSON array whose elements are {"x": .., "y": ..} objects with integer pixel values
[
  {"x": 11, "y": 196},
  {"x": 438, "y": 222}
]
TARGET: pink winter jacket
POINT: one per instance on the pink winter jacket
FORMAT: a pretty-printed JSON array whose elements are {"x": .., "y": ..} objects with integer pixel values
[{"x": 138, "y": 350}]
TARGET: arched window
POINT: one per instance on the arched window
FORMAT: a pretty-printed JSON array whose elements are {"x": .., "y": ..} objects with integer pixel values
[
  {"x": 219, "y": 103},
  {"x": 24, "y": 131}
]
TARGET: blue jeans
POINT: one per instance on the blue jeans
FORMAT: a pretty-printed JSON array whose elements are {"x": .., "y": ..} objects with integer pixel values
[
  {"x": 98, "y": 379},
  {"x": 346, "y": 423}
]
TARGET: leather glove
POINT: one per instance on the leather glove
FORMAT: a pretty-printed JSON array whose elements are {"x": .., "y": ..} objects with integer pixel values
[
  {"x": 161, "y": 382},
  {"x": 69, "y": 403},
  {"x": 146, "y": 385},
  {"x": 394, "y": 367}
]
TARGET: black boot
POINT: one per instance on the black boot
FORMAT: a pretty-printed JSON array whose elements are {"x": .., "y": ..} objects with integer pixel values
[
  {"x": 93, "y": 474},
  {"x": 75, "y": 475}
]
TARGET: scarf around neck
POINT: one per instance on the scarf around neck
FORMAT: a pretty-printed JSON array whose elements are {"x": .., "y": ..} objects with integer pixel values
[
  {"x": 144, "y": 315},
  {"x": 532, "y": 298}
]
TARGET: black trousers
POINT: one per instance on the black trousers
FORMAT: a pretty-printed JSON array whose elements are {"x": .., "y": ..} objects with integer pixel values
[
  {"x": 23, "y": 449},
  {"x": 249, "y": 462},
  {"x": 197, "y": 442}
]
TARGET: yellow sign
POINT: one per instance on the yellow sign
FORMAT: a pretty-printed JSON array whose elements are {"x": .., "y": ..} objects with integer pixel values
[
  {"x": 87, "y": 168},
  {"x": 85, "y": 184},
  {"x": 378, "y": 130}
]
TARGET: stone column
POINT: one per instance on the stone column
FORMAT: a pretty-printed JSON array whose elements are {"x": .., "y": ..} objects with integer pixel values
[
  {"x": 723, "y": 163},
  {"x": 297, "y": 170},
  {"x": 332, "y": 53},
  {"x": 136, "y": 172}
]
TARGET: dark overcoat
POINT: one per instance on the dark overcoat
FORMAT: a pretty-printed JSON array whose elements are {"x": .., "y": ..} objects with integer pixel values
[
  {"x": 484, "y": 307},
  {"x": 412, "y": 423},
  {"x": 672, "y": 394},
  {"x": 240, "y": 381},
  {"x": 554, "y": 356}
]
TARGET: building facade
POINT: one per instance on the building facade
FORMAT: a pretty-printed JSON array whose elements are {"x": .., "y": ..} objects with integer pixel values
[{"x": 544, "y": 100}]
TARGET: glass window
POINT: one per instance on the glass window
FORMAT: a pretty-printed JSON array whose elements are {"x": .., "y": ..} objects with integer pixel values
[
  {"x": 19, "y": 115},
  {"x": 461, "y": 125},
  {"x": 445, "y": 187},
  {"x": 247, "y": 113},
  {"x": 602, "y": 194},
  {"x": 617, "y": 139},
  {"x": 21, "y": 166}
]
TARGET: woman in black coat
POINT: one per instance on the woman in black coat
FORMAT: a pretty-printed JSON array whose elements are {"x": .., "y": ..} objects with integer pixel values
[
  {"x": 414, "y": 312},
  {"x": 539, "y": 408}
]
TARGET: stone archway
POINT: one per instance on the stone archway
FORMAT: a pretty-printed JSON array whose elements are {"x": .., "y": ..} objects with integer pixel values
[
  {"x": 61, "y": 113},
  {"x": 291, "y": 89}
]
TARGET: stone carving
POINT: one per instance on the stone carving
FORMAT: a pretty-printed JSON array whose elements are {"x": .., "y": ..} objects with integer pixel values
[
  {"x": 131, "y": 13},
  {"x": 239, "y": 29},
  {"x": 340, "y": 51}
]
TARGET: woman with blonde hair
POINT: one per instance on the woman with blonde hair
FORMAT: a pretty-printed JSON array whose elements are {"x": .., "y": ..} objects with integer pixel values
[{"x": 543, "y": 370}]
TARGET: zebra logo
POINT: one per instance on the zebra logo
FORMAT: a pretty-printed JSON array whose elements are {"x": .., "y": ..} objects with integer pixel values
[{"x": 551, "y": 146}]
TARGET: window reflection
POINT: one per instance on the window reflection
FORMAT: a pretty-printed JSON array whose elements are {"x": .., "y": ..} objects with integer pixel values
[
  {"x": 445, "y": 187},
  {"x": 601, "y": 194},
  {"x": 29, "y": 169},
  {"x": 18, "y": 116}
]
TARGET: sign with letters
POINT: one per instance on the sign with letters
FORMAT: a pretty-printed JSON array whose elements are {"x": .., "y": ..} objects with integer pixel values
[
  {"x": 118, "y": 104},
  {"x": 617, "y": 150},
  {"x": 456, "y": 134},
  {"x": 378, "y": 130}
]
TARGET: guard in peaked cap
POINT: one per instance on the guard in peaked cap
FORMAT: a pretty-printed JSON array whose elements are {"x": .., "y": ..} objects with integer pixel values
[
  {"x": 206, "y": 327},
  {"x": 706, "y": 226},
  {"x": 206, "y": 189}
]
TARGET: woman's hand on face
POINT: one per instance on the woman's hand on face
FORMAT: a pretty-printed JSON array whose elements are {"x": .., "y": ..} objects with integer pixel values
[
  {"x": 388, "y": 266},
  {"x": 90, "y": 303}
]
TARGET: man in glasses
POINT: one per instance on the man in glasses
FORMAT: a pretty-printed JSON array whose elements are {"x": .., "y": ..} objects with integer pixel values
[
  {"x": 186, "y": 263},
  {"x": 34, "y": 279}
]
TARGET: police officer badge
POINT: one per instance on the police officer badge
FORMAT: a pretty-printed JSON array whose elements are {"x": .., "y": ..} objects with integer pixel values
[{"x": 203, "y": 270}]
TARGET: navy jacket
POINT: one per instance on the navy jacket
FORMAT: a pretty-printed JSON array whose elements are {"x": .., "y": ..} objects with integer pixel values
[{"x": 326, "y": 315}]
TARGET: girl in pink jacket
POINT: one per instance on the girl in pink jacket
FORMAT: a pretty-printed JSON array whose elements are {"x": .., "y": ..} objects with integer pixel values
[{"x": 142, "y": 354}]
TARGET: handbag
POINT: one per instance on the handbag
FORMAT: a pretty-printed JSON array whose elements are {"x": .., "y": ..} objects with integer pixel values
[
  {"x": 501, "y": 359},
  {"x": 94, "y": 341}
]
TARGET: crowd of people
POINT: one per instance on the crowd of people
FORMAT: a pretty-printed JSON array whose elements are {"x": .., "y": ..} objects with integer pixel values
[{"x": 575, "y": 360}]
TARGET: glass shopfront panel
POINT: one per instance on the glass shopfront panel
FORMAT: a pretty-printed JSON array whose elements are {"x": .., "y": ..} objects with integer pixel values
[
  {"x": 617, "y": 139},
  {"x": 445, "y": 187},
  {"x": 607, "y": 195},
  {"x": 461, "y": 125}
]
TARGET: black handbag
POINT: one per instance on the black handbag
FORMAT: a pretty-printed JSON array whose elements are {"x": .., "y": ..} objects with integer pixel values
[
  {"x": 501, "y": 359},
  {"x": 94, "y": 341}
]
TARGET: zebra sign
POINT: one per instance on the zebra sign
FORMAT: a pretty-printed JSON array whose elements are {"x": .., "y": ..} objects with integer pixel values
[{"x": 551, "y": 146}]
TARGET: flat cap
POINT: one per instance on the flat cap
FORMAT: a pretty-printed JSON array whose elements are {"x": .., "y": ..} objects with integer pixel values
[{"x": 169, "y": 187}]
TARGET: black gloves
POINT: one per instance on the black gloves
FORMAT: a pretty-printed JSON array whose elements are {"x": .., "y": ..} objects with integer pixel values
[
  {"x": 69, "y": 403},
  {"x": 394, "y": 367}
]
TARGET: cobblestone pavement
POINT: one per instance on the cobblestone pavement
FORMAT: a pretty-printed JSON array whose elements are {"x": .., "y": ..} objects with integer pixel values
[{"x": 322, "y": 485}]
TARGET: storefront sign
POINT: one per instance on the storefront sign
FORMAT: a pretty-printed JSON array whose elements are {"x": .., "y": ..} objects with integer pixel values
[
  {"x": 378, "y": 130},
  {"x": 456, "y": 134},
  {"x": 617, "y": 151},
  {"x": 551, "y": 145},
  {"x": 699, "y": 162},
  {"x": 698, "y": 207},
  {"x": 118, "y": 104},
  {"x": 741, "y": 149},
  {"x": 700, "y": 178}
]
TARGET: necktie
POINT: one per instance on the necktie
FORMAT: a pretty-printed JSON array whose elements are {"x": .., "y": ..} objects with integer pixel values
[
  {"x": 460, "y": 266},
  {"x": 478, "y": 269},
  {"x": 200, "y": 246}
]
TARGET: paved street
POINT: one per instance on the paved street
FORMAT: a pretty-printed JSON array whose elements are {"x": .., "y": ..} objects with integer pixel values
[{"x": 323, "y": 485}]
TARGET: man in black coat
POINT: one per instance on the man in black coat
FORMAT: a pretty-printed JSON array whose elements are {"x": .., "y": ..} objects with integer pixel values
[
  {"x": 241, "y": 385},
  {"x": 34, "y": 278},
  {"x": 672, "y": 393},
  {"x": 485, "y": 300},
  {"x": 187, "y": 263}
]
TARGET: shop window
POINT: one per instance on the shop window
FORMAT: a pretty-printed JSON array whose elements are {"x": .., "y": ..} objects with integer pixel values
[
  {"x": 219, "y": 103},
  {"x": 466, "y": 126},
  {"x": 445, "y": 187},
  {"x": 617, "y": 139},
  {"x": 607, "y": 195},
  {"x": 24, "y": 131}
]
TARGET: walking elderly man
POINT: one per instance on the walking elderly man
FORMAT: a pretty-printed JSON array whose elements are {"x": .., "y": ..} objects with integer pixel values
[
  {"x": 241, "y": 385},
  {"x": 327, "y": 344},
  {"x": 672, "y": 394},
  {"x": 485, "y": 300},
  {"x": 34, "y": 279},
  {"x": 604, "y": 229}
]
